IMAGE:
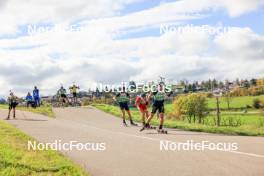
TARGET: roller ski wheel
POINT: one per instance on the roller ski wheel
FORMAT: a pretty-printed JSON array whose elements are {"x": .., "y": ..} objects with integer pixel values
[
  {"x": 161, "y": 131},
  {"x": 152, "y": 128},
  {"x": 147, "y": 128}
]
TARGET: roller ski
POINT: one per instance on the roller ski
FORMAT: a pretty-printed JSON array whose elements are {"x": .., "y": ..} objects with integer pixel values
[
  {"x": 161, "y": 131},
  {"x": 147, "y": 127},
  {"x": 151, "y": 127},
  {"x": 142, "y": 129}
]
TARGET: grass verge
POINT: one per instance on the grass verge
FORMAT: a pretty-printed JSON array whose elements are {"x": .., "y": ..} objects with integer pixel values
[
  {"x": 249, "y": 127},
  {"x": 236, "y": 103},
  {"x": 17, "y": 160},
  {"x": 44, "y": 110}
]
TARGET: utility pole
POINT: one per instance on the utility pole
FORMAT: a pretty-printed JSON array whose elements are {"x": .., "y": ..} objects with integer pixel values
[
  {"x": 217, "y": 94},
  {"x": 217, "y": 111}
]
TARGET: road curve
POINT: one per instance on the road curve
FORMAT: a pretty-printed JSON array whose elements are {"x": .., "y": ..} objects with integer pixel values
[{"x": 130, "y": 152}]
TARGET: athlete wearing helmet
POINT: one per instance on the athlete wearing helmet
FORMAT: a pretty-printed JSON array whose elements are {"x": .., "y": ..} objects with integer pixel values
[
  {"x": 73, "y": 90},
  {"x": 123, "y": 98},
  {"x": 158, "y": 98},
  {"x": 13, "y": 102},
  {"x": 62, "y": 95}
]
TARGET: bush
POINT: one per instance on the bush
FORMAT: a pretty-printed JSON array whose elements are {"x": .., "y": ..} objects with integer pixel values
[
  {"x": 86, "y": 102},
  {"x": 178, "y": 105},
  {"x": 172, "y": 115},
  {"x": 193, "y": 106},
  {"x": 209, "y": 95},
  {"x": 256, "y": 104},
  {"x": 248, "y": 106}
]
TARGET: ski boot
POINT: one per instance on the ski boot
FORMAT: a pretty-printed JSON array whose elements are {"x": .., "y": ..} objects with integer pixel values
[{"x": 124, "y": 123}]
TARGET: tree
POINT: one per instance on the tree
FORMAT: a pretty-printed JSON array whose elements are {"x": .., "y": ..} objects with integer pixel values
[
  {"x": 200, "y": 107},
  {"x": 245, "y": 84},
  {"x": 203, "y": 85},
  {"x": 193, "y": 106},
  {"x": 237, "y": 82},
  {"x": 209, "y": 84},
  {"x": 214, "y": 84},
  {"x": 189, "y": 87},
  {"x": 253, "y": 82},
  {"x": 194, "y": 87},
  {"x": 221, "y": 85},
  {"x": 190, "y": 108},
  {"x": 183, "y": 83}
]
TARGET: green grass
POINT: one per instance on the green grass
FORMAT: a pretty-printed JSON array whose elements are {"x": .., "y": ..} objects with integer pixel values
[
  {"x": 17, "y": 160},
  {"x": 236, "y": 102},
  {"x": 44, "y": 110},
  {"x": 251, "y": 125}
]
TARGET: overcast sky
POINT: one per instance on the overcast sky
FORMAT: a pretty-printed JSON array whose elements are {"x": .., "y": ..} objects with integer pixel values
[{"x": 52, "y": 42}]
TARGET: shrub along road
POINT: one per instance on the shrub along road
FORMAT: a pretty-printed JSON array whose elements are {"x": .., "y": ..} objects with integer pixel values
[{"x": 129, "y": 152}]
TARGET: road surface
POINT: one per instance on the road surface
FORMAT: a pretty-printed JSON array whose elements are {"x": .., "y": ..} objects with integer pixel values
[{"x": 130, "y": 152}]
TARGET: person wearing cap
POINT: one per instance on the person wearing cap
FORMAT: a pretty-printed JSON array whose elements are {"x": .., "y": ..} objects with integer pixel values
[
  {"x": 13, "y": 102},
  {"x": 142, "y": 104}
]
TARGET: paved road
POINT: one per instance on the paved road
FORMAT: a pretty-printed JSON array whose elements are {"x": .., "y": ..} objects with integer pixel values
[{"x": 129, "y": 152}]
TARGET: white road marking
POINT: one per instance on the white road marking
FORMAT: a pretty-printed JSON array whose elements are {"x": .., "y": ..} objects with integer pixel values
[
  {"x": 157, "y": 139},
  {"x": 249, "y": 154}
]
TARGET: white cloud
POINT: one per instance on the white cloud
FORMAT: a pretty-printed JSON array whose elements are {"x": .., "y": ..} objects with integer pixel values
[
  {"x": 240, "y": 44},
  {"x": 16, "y": 12},
  {"x": 52, "y": 58},
  {"x": 236, "y": 8}
]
